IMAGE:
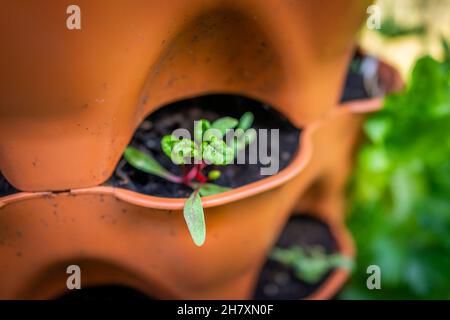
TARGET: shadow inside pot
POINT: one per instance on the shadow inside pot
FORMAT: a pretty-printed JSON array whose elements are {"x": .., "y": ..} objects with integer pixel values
[
  {"x": 6, "y": 188},
  {"x": 278, "y": 281}
]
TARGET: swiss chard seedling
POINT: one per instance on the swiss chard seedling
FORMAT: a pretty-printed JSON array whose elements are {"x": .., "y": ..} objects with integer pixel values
[
  {"x": 207, "y": 148},
  {"x": 310, "y": 265}
]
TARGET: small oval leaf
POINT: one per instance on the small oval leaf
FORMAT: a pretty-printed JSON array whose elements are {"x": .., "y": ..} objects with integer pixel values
[
  {"x": 246, "y": 121},
  {"x": 144, "y": 162},
  {"x": 225, "y": 123},
  {"x": 195, "y": 218},
  {"x": 200, "y": 128}
]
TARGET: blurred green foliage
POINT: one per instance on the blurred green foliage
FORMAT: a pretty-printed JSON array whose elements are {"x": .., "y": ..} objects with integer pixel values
[
  {"x": 392, "y": 29},
  {"x": 400, "y": 191}
]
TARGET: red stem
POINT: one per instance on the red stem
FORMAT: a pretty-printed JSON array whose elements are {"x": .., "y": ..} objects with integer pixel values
[
  {"x": 201, "y": 177},
  {"x": 190, "y": 175}
]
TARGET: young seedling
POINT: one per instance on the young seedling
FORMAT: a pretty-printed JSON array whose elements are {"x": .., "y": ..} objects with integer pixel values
[
  {"x": 207, "y": 148},
  {"x": 310, "y": 265}
]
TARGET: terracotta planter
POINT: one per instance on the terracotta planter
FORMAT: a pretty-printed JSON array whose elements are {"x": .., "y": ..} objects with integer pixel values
[
  {"x": 70, "y": 100},
  {"x": 118, "y": 236}
]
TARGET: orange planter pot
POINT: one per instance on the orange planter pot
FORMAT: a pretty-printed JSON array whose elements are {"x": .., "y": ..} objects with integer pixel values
[
  {"x": 71, "y": 99},
  {"x": 119, "y": 236},
  {"x": 67, "y": 114}
]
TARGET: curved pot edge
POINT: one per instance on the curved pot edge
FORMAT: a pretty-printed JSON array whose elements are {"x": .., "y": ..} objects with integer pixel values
[{"x": 295, "y": 167}]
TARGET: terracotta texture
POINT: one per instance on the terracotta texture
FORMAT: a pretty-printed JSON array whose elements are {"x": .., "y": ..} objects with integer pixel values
[{"x": 71, "y": 99}]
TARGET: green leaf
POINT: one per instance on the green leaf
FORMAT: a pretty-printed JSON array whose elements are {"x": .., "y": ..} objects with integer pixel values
[
  {"x": 224, "y": 124},
  {"x": 310, "y": 266},
  {"x": 144, "y": 162},
  {"x": 182, "y": 150},
  {"x": 209, "y": 189},
  {"x": 200, "y": 127},
  {"x": 402, "y": 222},
  {"x": 167, "y": 143},
  {"x": 391, "y": 29},
  {"x": 195, "y": 218},
  {"x": 242, "y": 139},
  {"x": 246, "y": 121},
  {"x": 217, "y": 152},
  {"x": 212, "y": 134}
]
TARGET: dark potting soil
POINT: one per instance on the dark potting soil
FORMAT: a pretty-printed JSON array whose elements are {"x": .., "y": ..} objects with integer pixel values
[
  {"x": 277, "y": 281},
  {"x": 182, "y": 115},
  {"x": 5, "y": 187}
]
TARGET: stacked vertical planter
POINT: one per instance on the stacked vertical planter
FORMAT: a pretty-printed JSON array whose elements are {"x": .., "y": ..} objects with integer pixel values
[{"x": 70, "y": 101}]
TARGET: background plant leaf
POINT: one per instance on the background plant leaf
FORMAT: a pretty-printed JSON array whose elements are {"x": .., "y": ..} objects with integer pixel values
[
  {"x": 400, "y": 191},
  {"x": 310, "y": 265}
]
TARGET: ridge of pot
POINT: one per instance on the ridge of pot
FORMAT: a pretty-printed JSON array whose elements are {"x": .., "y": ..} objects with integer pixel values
[{"x": 72, "y": 136}]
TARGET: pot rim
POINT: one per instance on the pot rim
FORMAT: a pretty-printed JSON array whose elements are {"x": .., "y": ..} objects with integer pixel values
[{"x": 299, "y": 162}]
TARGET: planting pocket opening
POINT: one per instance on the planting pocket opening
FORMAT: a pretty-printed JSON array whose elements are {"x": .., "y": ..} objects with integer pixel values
[
  {"x": 368, "y": 77},
  {"x": 283, "y": 276},
  {"x": 274, "y": 148}
]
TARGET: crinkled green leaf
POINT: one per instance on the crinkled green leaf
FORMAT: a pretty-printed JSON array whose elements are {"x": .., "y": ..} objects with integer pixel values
[
  {"x": 217, "y": 152},
  {"x": 167, "y": 143},
  {"x": 183, "y": 150},
  {"x": 195, "y": 218}
]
